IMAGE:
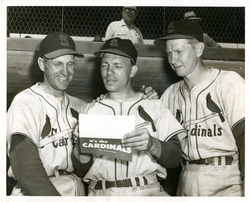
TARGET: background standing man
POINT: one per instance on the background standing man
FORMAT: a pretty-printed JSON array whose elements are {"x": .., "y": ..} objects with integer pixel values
[
  {"x": 125, "y": 29},
  {"x": 207, "y": 40},
  {"x": 40, "y": 125},
  {"x": 209, "y": 103},
  {"x": 154, "y": 140}
]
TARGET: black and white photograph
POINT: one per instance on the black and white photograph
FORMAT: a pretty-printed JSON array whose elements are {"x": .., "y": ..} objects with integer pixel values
[{"x": 174, "y": 70}]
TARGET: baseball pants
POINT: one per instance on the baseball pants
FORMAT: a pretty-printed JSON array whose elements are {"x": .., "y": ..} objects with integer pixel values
[
  {"x": 210, "y": 180},
  {"x": 153, "y": 188}
]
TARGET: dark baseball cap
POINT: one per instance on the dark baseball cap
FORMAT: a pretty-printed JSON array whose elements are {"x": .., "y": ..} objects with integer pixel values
[
  {"x": 118, "y": 46},
  {"x": 182, "y": 29},
  {"x": 57, "y": 44}
]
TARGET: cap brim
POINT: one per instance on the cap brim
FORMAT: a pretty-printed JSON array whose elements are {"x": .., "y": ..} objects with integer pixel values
[
  {"x": 162, "y": 41},
  {"x": 61, "y": 52},
  {"x": 114, "y": 51},
  {"x": 194, "y": 18}
]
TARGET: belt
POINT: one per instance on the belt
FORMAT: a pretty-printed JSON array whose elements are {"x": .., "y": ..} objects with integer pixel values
[
  {"x": 210, "y": 161},
  {"x": 120, "y": 183},
  {"x": 61, "y": 172}
]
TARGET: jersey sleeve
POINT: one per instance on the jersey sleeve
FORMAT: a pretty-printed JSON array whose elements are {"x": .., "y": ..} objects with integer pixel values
[
  {"x": 234, "y": 100},
  {"x": 22, "y": 119},
  {"x": 234, "y": 103},
  {"x": 167, "y": 124}
]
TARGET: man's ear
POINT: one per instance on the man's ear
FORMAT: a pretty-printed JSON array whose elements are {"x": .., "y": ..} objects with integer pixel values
[
  {"x": 40, "y": 62},
  {"x": 133, "y": 71},
  {"x": 199, "y": 49}
]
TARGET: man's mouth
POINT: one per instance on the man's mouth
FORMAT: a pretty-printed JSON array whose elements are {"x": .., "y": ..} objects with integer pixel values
[
  {"x": 110, "y": 80},
  {"x": 176, "y": 67},
  {"x": 63, "y": 78}
]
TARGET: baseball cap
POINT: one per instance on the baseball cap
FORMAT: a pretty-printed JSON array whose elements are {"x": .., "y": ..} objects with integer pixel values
[
  {"x": 190, "y": 15},
  {"x": 57, "y": 44},
  {"x": 118, "y": 46},
  {"x": 182, "y": 29}
]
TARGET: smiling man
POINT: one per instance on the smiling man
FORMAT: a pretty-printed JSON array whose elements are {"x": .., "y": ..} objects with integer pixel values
[
  {"x": 40, "y": 125},
  {"x": 125, "y": 28}
]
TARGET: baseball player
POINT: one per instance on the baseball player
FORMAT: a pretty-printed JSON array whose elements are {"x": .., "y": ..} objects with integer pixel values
[
  {"x": 40, "y": 125},
  {"x": 209, "y": 103},
  {"x": 155, "y": 139}
]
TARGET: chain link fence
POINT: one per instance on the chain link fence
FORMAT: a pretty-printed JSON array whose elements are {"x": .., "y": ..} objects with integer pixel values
[{"x": 226, "y": 25}]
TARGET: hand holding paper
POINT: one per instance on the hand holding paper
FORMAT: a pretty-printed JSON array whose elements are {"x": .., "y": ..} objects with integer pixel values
[
  {"x": 102, "y": 135},
  {"x": 138, "y": 140},
  {"x": 141, "y": 140},
  {"x": 83, "y": 158}
]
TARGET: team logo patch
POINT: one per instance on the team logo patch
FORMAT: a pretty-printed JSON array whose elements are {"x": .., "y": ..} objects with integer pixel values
[
  {"x": 213, "y": 107},
  {"x": 114, "y": 43},
  {"x": 171, "y": 28},
  {"x": 63, "y": 40}
]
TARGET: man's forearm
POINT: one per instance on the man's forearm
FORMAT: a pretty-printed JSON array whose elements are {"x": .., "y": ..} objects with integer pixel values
[
  {"x": 239, "y": 135},
  {"x": 28, "y": 168},
  {"x": 170, "y": 155}
]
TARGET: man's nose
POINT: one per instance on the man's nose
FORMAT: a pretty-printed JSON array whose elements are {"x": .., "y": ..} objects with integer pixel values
[
  {"x": 64, "y": 70},
  {"x": 110, "y": 70},
  {"x": 173, "y": 58}
]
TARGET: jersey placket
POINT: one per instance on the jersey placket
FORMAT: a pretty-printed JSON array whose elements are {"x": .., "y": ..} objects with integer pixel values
[
  {"x": 121, "y": 166},
  {"x": 64, "y": 125},
  {"x": 190, "y": 116}
]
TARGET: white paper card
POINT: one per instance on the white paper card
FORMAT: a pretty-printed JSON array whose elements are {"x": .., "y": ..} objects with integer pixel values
[{"x": 103, "y": 126}]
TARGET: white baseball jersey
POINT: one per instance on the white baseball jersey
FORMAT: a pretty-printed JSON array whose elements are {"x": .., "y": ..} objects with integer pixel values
[
  {"x": 48, "y": 122},
  {"x": 209, "y": 113},
  {"x": 107, "y": 168}
]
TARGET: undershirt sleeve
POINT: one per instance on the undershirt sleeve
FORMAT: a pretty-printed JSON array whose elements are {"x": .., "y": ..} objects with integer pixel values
[
  {"x": 239, "y": 135},
  {"x": 28, "y": 168},
  {"x": 170, "y": 153}
]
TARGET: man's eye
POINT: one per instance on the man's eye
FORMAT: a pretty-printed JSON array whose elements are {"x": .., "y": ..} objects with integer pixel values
[
  {"x": 104, "y": 65},
  {"x": 58, "y": 64},
  {"x": 71, "y": 64}
]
